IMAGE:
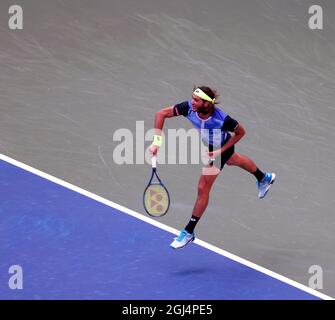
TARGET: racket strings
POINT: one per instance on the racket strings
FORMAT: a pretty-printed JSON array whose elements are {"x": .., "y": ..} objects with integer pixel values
[{"x": 156, "y": 200}]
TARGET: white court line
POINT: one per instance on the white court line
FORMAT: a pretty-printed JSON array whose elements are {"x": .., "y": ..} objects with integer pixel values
[{"x": 164, "y": 227}]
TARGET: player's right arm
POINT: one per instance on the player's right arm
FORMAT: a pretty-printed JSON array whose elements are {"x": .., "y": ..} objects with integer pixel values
[{"x": 160, "y": 117}]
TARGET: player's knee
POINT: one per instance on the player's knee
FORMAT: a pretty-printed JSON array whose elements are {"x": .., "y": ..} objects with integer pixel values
[
  {"x": 229, "y": 163},
  {"x": 234, "y": 161}
]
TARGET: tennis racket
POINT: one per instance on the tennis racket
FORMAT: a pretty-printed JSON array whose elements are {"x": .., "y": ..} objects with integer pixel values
[{"x": 156, "y": 198}]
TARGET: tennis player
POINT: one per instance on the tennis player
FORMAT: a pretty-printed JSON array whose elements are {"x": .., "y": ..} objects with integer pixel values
[{"x": 215, "y": 127}]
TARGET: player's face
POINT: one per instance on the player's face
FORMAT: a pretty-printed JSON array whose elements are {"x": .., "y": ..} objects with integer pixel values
[{"x": 197, "y": 103}]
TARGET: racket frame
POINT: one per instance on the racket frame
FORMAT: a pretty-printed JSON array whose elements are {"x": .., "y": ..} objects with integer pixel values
[{"x": 154, "y": 173}]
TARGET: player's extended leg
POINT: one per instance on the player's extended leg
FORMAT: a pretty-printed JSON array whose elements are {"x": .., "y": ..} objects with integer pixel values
[
  {"x": 205, "y": 184},
  {"x": 264, "y": 180},
  {"x": 204, "y": 187}
]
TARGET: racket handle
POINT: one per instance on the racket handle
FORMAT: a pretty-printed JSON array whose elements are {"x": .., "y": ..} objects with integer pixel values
[{"x": 154, "y": 161}]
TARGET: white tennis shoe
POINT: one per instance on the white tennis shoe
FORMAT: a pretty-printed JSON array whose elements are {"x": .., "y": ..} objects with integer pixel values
[
  {"x": 182, "y": 240},
  {"x": 265, "y": 184}
]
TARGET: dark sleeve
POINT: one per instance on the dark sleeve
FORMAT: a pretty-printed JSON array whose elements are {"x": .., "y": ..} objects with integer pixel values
[
  {"x": 181, "y": 109},
  {"x": 229, "y": 124}
]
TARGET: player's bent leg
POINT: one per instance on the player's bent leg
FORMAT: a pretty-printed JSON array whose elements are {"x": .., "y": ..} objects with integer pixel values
[
  {"x": 247, "y": 164},
  {"x": 242, "y": 161}
]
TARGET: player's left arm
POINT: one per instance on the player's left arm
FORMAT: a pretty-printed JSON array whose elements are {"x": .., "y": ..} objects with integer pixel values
[
  {"x": 237, "y": 135},
  {"x": 238, "y": 131}
]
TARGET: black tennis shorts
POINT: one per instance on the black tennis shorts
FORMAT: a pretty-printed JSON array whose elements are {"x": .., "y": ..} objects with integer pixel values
[{"x": 220, "y": 161}]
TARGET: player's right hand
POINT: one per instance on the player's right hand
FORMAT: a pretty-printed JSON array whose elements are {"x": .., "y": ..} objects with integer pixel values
[{"x": 153, "y": 149}]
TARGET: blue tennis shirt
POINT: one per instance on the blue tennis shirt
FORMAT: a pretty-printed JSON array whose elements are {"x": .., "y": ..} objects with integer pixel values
[{"x": 214, "y": 131}]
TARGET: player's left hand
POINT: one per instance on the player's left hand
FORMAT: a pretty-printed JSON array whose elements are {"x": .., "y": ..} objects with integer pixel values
[{"x": 213, "y": 154}]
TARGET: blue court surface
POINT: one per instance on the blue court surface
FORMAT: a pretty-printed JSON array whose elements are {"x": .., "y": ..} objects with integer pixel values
[{"x": 73, "y": 247}]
